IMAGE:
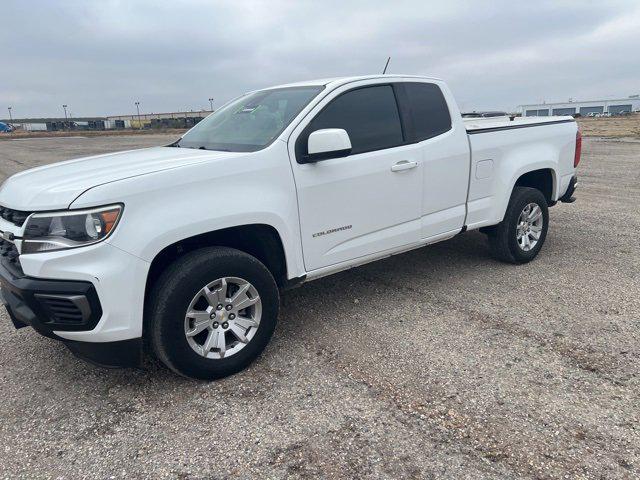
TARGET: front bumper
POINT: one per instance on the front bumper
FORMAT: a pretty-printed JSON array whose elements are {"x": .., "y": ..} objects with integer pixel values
[
  {"x": 54, "y": 305},
  {"x": 49, "y": 305},
  {"x": 96, "y": 310}
]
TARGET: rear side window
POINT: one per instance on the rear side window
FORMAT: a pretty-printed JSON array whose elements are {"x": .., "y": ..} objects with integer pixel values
[
  {"x": 429, "y": 110},
  {"x": 369, "y": 115}
]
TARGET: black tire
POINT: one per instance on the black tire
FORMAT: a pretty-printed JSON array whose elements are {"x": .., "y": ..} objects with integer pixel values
[
  {"x": 173, "y": 293},
  {"x": 503, "y": 240}
]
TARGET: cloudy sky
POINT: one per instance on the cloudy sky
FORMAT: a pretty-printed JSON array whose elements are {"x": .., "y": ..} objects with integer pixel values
[{"x": 99, "y": 57}]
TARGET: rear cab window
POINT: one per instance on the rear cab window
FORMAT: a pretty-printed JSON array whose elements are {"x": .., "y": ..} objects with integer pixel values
[{"x": 427, "y": 109}]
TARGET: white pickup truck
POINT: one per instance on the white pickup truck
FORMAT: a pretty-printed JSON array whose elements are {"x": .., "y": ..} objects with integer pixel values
[{"x": 182, "y": 250}]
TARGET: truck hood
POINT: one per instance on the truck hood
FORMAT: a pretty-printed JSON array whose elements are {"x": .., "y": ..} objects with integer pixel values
[{"x": 56, "y": 186}]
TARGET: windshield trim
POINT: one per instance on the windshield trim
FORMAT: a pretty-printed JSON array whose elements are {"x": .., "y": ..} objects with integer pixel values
[{"x": 247, "y": 148}]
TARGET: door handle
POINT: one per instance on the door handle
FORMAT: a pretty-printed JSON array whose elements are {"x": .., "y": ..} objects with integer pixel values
[{"x": 403, "y": 165}]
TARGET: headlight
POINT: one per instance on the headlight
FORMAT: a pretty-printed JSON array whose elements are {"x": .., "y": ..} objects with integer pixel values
[{"x": 46, "y": 232}]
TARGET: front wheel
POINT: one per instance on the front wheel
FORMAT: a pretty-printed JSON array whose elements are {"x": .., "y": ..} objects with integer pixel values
[
  {"x": 213, "y": 311},
  {"x": 520, "y": 236}
]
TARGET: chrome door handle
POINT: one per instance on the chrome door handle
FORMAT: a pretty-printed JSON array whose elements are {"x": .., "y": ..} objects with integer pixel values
[{"x": 403, "y": 165}]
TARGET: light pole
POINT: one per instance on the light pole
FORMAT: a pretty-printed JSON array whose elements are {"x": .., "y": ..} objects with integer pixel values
[
  {"x": 211, "y": 103},
  {"x": 65, "y": 116},
  {"x": 138, "y": 109},
  {"x": 10, "y": 117}
]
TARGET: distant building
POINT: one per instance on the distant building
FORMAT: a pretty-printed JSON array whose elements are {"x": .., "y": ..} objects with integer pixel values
[
  {"x": 180, "y": 120},
  {"x": 159, "y": 116},
  {"x": 156, "y": 120},
  {"x": 612, "y": 106}
]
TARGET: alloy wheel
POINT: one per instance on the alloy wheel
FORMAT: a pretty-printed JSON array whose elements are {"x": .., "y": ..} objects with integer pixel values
[
  {"x": 529, "y": 227},
  {"x": 223, "y": 317}
]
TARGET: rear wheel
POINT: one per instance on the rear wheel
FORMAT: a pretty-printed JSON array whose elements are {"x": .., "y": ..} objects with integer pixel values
[
  {"x": 520, "y": 236},
  {"x": 212, "y": 313}
]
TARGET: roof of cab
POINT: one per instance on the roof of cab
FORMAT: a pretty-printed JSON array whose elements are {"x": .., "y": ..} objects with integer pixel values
[{"x": 342, "y": 80}]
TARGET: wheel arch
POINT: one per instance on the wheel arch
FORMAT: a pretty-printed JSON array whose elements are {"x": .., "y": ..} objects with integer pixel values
[
  {"x": 259, "y": 240},
  {"x": 543, "y": 179},
  {"x": 542, "y": 176}
]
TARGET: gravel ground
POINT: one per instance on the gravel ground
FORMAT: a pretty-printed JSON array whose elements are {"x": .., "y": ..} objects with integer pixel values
[
  {"x": 439, "y": 363},
  {"x": 617, "y": 126}
]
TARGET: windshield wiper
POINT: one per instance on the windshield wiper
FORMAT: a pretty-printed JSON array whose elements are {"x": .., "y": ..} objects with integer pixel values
[{"x": 214, "y": 149}]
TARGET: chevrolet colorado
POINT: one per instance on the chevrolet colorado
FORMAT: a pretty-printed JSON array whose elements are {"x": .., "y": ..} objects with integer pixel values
[{"x": 183, "y": 249}]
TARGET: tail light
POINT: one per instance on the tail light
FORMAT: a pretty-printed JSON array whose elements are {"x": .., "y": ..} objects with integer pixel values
[{"x": 576, "y": 158}]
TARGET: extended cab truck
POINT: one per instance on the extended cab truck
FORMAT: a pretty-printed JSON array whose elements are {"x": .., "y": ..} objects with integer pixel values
[{"x": 187, "y": 246}]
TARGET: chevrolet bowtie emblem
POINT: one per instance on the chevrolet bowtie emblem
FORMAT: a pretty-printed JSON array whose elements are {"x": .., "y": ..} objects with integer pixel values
[{"x": 8, "y": 236}]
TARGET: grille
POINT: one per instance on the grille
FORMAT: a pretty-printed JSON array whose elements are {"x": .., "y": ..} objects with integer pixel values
[
  {"x": 16, "y": 217},
  {"x": 65, "y": 310},
  {"x": 9, "y": 256}
]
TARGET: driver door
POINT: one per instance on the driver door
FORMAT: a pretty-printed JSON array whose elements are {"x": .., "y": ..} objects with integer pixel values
[{"x": 369, "y": 201}]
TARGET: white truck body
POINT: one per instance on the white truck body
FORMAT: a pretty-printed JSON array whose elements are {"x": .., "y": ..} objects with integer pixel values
[{"x": 328, "y": 215}]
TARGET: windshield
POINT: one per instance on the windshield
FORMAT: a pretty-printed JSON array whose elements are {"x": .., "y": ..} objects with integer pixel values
[{"x": 250, "y": 122}]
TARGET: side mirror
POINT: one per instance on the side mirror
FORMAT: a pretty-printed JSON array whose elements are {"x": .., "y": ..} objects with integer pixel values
[{"x": 327, "y": 143}]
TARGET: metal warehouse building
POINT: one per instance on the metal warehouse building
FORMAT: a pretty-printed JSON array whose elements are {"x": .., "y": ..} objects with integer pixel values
[{"x": 629, "y": 104}]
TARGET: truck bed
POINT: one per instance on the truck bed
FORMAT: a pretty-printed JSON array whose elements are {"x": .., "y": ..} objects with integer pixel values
[
  {"x": 478, "y": 125},
  {"x": 503, "y": 150}
]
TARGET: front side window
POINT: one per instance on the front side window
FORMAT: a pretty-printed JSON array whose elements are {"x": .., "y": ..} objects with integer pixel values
[
  {"x": 369, "y": 115},
  {"x": 251, "y": 122}
]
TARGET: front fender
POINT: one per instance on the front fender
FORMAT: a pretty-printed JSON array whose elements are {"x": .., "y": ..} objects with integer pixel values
[{"x": 165, "y": 207}]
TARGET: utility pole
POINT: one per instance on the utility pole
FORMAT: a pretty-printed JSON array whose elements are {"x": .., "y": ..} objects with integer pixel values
[
  {"x": 10, "y": 117},
  {"x": 139, "y": 121},
  {"x": 211, "y": 103},
  {"x": 65, "y": 116}
]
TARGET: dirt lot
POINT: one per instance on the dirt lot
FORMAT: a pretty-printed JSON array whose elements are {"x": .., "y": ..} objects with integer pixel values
[
  {"x": 439, "y": 363},
  {"x": 20, "y": 134},
  {"x": 614, "y": 127}
]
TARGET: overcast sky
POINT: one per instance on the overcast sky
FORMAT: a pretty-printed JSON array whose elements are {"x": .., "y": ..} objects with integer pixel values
[{"x": 99, "y": 57}]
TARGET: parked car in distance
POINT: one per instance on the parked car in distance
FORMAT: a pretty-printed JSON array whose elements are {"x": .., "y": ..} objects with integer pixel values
[
  {"x": 484, "y": 114},
  {"x": 6, "y": 127},
  {"x": 185, "y": 248}
]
